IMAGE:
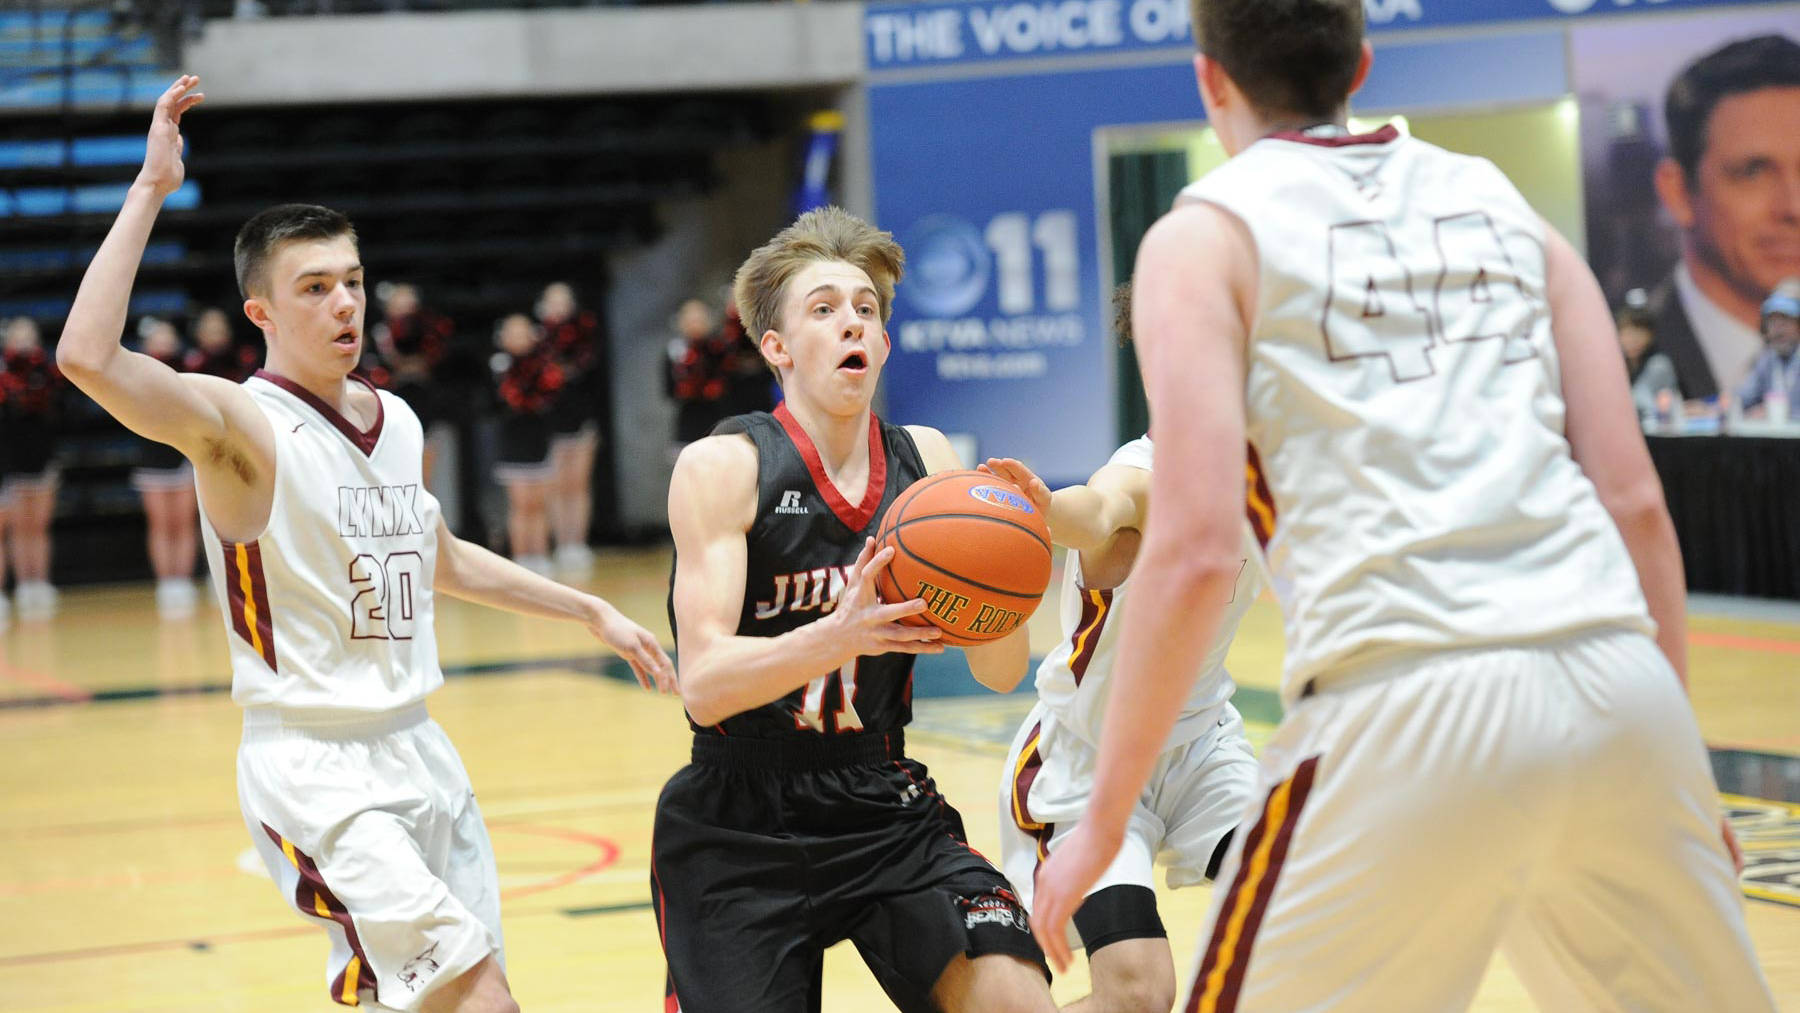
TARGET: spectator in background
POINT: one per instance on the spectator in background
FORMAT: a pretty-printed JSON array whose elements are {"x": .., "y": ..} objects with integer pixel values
[
  {"x": 1774, "y": 382},
  {"x": 749, "y": 386},
  {"x": 216, "y": 350},
  {"x": 1649, "y": 369},
  {"x": 1732, "y": 184},
  {"x": 5, "y": 498},
  {"x": 412, "y": 341},
  {"x": 165, "y": 481},
  {"x": 33, "y": 385},
  {"x": 573, "y": 335},
  {"x": 529, "y": 382},
  {"x": 697, "y": 379}
]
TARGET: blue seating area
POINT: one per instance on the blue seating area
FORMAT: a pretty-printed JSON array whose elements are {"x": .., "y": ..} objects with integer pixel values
[{"x": 52, "y": 56}]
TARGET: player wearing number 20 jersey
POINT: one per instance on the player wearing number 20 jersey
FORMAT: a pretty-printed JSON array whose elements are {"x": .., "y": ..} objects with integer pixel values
[{"x": 330, "y": 609}]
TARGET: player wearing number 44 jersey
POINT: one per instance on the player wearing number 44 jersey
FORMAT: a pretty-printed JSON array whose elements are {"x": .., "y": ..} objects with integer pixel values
[
  {"x": 1482, "y": 744},
  {"x": 801, "y": 821},
  {"x": 326, "y": 550}
]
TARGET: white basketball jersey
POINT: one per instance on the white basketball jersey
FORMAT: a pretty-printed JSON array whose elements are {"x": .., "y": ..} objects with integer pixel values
[
  {"x": 329, "y": 609},
  {"x": 1405, "y": 410},
  {"x": 1074, "y": 679}
]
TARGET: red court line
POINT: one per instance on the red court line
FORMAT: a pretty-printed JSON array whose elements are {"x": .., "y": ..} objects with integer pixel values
[
  {"x": 1740, "y": 643},
  {"x": 152, "y": 946},
  {"x": 45, "y": 683},
  {"x": 609, "y": 854}
]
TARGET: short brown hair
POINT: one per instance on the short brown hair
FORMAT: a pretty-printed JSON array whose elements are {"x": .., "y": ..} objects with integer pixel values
[
  {"x": 265, "y": 233},
  {"x": 1289, "y": 57},
  {"x": 823, "y": 234}
]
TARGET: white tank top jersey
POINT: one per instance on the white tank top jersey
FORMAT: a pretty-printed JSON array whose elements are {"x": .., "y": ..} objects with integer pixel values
[
  {"x": 1404, "y": 408},
  {"x": 329, "y": 610},
  {"x": 1074, "y": 679}
]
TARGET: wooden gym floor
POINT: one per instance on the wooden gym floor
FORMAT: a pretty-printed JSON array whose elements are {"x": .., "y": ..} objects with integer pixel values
[{"x": 126, "y": 880}]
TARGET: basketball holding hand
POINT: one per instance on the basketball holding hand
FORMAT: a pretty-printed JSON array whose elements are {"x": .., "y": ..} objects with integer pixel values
[
  {"x": 974, "y": 547},
  {"x": 874, "y": 626}
]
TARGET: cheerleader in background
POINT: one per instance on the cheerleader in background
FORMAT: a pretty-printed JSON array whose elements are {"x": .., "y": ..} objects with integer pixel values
[
  {"x": 165, "y": 481},
  {"x": 5, "y": 499},
  {"x": 530, "y": 382},
  {"x": 216, "y": 351},
  {"x": 573, "y": 336},
  {"x": 412, "y": 341},
  {"x": 32, "y": 387}
]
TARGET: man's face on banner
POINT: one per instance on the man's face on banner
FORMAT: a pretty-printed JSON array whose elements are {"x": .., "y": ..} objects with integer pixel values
[{"x": 1742, "y": 211}]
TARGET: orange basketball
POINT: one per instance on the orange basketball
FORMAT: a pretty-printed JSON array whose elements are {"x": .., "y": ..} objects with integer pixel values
[{"x": 974, "y": 548}]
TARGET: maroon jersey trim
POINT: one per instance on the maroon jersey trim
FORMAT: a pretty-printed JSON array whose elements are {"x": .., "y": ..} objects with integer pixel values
[
  {"x": 855, "y": 518},
  {"x": 313, "y": 897},
  {"x": 365, "y": 441},
  {"x": 1383, "y": 136}
]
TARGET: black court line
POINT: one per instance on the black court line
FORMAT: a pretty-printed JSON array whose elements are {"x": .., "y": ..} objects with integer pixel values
[
  {"x": 606, "y": 909},
  {"x": 587, "y": 664}
]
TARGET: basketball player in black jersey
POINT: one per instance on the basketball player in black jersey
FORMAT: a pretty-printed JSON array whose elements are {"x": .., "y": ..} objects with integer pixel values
[{"x": 801, "y": 822}]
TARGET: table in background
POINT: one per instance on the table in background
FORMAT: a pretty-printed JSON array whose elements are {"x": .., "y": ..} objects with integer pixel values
[{"x": 1736, "y": 505}]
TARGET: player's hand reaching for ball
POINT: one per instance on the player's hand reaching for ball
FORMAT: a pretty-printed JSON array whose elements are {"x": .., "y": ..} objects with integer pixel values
[
  {"x": 163, "y": 171},
  {"x": 1015, "y": 472},
  {"x": 871, "y": 626},
  {"x": 636, "y": 645}
]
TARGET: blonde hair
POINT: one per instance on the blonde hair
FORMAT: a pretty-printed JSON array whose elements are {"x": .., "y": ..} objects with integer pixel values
[{"x": 823, "y": 234}]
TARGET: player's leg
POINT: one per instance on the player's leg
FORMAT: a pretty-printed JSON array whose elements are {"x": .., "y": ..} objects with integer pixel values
[
  {"x": 1129, "y": 974},
  {"x": 1639, "y": 907},
  {"x": 995, "y": 983},
  {"x": 939, "y": 927},
  {"x": 729, "y": 895},
  {"x": 398, "y": 931},
  {"x": 1393, "y": 825},
  {"x": 1047, "y": 779},
  {"x": 481, "y": 989}
]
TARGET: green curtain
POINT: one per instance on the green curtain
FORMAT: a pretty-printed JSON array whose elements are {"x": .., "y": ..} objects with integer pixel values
[{"x": 1143, "y": 186}]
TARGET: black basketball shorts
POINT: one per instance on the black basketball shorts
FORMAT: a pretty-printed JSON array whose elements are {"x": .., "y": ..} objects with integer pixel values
[{"x": 768, "y": 851}]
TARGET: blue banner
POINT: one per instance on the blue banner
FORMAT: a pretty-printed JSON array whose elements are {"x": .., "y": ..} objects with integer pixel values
[
  {"x": 901, "y": 35},
  {"x": 1000, "y": 326}
]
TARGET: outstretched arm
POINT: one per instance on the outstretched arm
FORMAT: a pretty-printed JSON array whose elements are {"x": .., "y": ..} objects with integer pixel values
[
  {"x": 712, "y": 502},
  {"x": 1088, "y": 517},
  {"x": 470, "y": 572},
  {"x": 1195, "y": 279},
  {"x": 147, "y": 396}
]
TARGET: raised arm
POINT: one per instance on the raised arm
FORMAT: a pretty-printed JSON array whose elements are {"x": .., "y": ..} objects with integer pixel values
[
  {"x": 1607, "y": 442},
  {"x": 712, "y": 503},
  {"x": 1000, "y": 665},
  {"x": 148, "y": 397},
  {"x": 1089, "y": 517}
]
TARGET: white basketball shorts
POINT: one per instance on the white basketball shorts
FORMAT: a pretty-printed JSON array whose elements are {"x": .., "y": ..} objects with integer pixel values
[
  {"x": 1552, "y": 799},
  {"x": 370, "y": 828},
  {"x": 1197, "y": 793}
]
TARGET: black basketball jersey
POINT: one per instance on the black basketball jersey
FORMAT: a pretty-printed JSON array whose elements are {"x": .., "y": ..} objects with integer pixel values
[{"x": 800, "y": 548}]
